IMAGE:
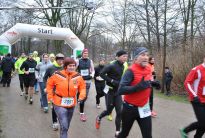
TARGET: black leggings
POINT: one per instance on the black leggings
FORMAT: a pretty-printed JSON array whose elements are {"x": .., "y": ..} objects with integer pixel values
[
  {"x": 82, "y": 104},
  {"x": 199, "y": 126},
  {"x": 99, "y": 91},
  {"x": 113, "y": 101},
  {"x": 21, "y": 80},
  {"x": 54, "y": 116},
  {"x": 151, "y": 99},
  {"x": 129, "y": 115}
]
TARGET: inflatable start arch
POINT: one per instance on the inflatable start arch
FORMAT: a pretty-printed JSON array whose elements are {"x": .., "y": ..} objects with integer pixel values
[{"x": 8, "y": 38}]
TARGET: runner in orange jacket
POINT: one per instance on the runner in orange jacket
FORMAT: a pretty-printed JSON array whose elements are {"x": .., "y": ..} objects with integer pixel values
[{"x": 66, "y": 84}]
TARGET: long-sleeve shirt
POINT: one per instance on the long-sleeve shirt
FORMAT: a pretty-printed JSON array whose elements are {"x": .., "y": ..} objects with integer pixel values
[
  {"x": 112, "y": 74},
  {"x": 195, "y": 83},
  {"x": 41, "y": 70}
]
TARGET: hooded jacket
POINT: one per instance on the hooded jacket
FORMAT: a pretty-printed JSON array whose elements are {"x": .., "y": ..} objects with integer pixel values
[{"x": 7, "y": 64}]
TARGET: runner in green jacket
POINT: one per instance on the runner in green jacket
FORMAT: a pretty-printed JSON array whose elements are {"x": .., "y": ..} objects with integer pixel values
[{"x": 18, "y": 64}]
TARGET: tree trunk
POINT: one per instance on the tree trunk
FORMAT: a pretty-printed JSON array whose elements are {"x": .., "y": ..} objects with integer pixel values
[
  {"x": 165, "y": 45},
  {"x": 186, "y": 21},
  {"x": 148, "y": 26}
]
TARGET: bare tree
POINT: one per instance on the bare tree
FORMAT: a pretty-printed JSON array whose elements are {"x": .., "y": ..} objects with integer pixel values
[{"x": 185, "y": 11}]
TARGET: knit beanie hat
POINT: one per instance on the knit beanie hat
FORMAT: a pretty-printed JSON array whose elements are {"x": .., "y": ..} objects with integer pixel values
[
  {"x": 139, "y": 51},
  {"x": 120, "y": 53}
]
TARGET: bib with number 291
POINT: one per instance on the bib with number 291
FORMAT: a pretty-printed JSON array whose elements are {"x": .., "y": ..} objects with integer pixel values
[{"x": 144, "y": 111}]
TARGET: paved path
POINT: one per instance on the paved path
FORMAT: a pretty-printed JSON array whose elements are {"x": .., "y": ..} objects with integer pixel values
[{"x": 21, "y": 120}]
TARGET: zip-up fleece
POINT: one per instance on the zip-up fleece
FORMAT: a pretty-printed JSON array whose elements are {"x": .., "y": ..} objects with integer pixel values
[{"x": 66, "y": 85}]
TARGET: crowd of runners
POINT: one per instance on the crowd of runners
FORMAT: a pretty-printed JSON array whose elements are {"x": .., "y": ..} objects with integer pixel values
[{"x": 64, "y": 82}]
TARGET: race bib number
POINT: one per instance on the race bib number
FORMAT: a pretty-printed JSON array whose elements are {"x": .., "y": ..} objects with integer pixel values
[
  {"x": 100, "y": 79},
  {"x": 106, "y": 89},
  {"x": 31, "y": 70},
  {"x": 144, "y": 111},
  {"x": 84, "y": 72},
  {"x": 67, "y": 101},
  {"x": 203, "y": 91}
]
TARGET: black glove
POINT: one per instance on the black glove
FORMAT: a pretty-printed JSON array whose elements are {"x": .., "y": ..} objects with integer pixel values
[
  {"x": 196, "y": 100},
  {"x": 143, "y": 84},
  {"x": 80, "y": 101},
  {"x": 115, "y": 83},
  {"x": 156, "y": 84}
]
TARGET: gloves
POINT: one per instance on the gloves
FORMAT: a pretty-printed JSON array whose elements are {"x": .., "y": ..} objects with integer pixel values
[
  {"x": 115, "y": 83},
  {"x": 156, "y": 84},
  {"x": 143, "y": 84},
  {"x": 196, "y": 100},
  {"x": 80, "y": 101}
]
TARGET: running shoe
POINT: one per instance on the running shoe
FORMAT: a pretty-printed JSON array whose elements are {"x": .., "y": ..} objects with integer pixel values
[
  {"x": 117, "y": 134},
  {"x": 153, "y": 114},
  {"x": 83, "y": 117},
  {"x": 97, "y": 123},
  {"x": 109, "y": 117},
  {"x": 55, "y": 126},
  {"x": 30, "y": 101},
  {"x": 26, "y": 96},
  {"x": 98, "y": 106},
  {"x": 22, "y": 93},
  {"x": 45, "y": 109},
  {"x": 183, "y": 134}
]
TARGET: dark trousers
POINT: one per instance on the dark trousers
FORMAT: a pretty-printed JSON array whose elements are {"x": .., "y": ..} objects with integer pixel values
[
  {"x": 151, "y": 99},
  {"x": 54, "y": 116},
  {"x": 99, "y": 91},
  {"x": 82, "y": 104},
  {"x": 6, "y": 78},
  {"x": 168, "y": 85},
  {"x": 21, "y": 80},
  {"x": 113, "y": 102},
  {"x": 129, "y": 115},
  {"x": 199, "y": 125}
]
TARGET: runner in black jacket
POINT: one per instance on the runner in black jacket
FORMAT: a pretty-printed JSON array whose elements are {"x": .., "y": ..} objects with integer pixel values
[
  {"x": 99, "y": 82},
  {"x": 112, "y": 75},
  {"x": 28, "y": 67}
]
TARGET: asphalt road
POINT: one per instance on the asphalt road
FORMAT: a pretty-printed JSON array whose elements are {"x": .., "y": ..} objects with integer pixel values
[{"x": 18, "y": 119}]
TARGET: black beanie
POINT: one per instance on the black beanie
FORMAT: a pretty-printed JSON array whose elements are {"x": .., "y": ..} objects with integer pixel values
[
  {"x": 139, "y": 51},
  {"x": 120, "y": 53}
]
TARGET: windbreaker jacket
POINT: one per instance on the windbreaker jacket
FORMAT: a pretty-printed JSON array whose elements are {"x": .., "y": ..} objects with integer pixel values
[
  {"x": 66, "y": 85},
  {"x": 195, "y": 83},
  {"x": 18, "y": 64}
]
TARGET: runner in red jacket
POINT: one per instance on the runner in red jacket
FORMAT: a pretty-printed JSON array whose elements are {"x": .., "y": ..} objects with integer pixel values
[
  {"x": 195, "y": 86},
  {"x": 136, "y": 86}
]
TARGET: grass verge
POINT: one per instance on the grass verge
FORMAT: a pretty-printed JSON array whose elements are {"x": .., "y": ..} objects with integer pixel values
[{"x": 173, "y": 97}]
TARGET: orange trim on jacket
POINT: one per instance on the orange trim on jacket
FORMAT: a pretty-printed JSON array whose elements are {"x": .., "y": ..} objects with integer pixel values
[{"x": 66, "y": 85}]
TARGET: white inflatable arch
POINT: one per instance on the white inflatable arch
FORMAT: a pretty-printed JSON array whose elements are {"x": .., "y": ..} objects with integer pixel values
[{"x": 8, "y": 38}]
